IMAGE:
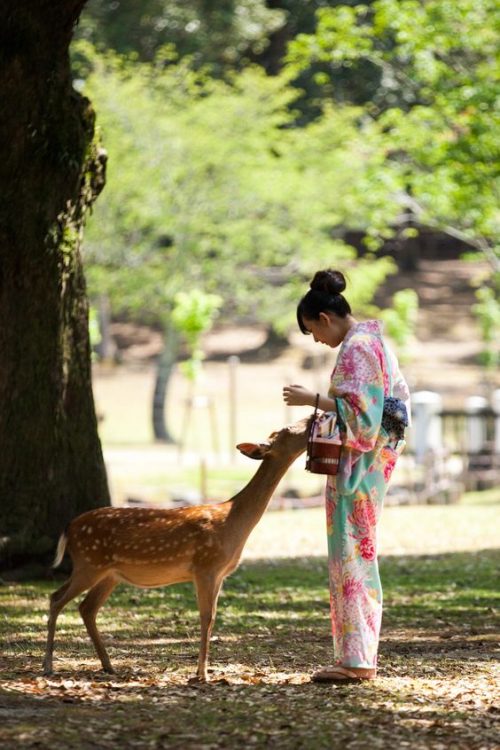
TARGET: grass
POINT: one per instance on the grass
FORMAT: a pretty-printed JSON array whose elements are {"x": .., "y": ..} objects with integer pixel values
[{"x": 436, "y": 687}]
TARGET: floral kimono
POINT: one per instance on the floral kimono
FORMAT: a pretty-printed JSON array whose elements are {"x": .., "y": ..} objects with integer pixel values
[{"x": 364, "y": 374}]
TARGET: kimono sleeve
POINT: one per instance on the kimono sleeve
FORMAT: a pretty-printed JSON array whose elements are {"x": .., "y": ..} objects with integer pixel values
[{"x": 358, "y": 389}]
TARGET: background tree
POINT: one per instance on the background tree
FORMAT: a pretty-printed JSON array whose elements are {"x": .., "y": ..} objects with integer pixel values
[
  {"x": 222, "y": 34},
  {"x": 487, "y": 313},
  {"x": 51, "y": 464},
  {"x": 401, "y": 321},
  {"x": 210, "y": 186},
  {"x": 229, "y": 35},
  {"x": 193, "y": 315},
  {"x": 438, "y": 64}
]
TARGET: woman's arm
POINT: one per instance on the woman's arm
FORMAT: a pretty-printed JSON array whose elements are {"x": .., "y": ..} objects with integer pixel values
[{"x": 297, "y": 395}]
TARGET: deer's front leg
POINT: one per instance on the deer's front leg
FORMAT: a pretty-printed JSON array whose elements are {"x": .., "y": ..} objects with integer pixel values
[{"x": 208, "y": 585}]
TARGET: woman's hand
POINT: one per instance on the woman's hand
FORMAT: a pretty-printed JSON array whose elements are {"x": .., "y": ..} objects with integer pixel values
[{"x": 297, "y": 395}]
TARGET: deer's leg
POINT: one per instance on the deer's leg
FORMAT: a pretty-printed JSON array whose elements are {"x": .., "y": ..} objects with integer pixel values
[
  {"x": 88, "y": 610},
  {"x": 58, "y": 600},
  {"x": 208, "y": 587}
]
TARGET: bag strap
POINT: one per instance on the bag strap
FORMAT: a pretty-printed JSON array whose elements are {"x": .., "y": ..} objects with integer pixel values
[
  {"x": 313, "y": 420},
  {"x": 316, "y": 406},
  {"x": 311, "y": 426}
]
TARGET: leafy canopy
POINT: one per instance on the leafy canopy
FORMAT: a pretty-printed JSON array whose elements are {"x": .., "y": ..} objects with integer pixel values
[
  {"x": 210, "y": 186},
  {"x": 222, "y": 34},
  {"x": 437, "y": 101}
]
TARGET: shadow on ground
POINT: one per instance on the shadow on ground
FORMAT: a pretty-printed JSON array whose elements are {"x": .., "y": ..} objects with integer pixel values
[{"x": 436, "y": 686}]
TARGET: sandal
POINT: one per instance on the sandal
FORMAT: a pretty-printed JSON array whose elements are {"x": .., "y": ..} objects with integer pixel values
[{"x": 340, "y": 675}]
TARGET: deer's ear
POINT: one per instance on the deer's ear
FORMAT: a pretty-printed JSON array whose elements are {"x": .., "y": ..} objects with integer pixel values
[{"x": 254, "y": 450}]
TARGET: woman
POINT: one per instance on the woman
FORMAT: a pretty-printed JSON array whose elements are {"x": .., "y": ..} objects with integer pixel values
[{"x": 365, "y": 373}]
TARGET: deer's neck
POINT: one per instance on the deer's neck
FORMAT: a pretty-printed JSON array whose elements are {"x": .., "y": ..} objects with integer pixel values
[{"x": 249, "y": 504}]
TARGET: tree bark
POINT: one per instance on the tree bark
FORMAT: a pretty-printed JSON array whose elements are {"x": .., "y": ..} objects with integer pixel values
[
  {"x": 166, "y": 364},
  {"x": 51, "y": 170}
]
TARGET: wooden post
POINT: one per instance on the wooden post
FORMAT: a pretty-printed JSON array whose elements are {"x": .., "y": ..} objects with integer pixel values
[
  {"x": 203, "y": 480},
  {"x": 233, "y": 362}
]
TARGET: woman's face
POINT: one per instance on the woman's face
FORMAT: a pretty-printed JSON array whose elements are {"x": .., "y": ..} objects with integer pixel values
[{"x": 329, "y": 329}]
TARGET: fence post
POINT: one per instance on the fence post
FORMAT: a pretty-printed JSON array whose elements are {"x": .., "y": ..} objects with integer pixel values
[
  {"x": 426, "y": 430},
  {"x": 476, "y": 424},
  {"x": 233, "y": 361}
]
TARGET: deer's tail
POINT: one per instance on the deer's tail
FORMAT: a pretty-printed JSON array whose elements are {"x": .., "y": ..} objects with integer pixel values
[{"x": 61, "y": 548}]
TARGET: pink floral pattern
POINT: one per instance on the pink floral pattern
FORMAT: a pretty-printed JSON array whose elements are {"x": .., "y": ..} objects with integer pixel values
[
  {"x": 355, "y": 496},
  {"x": 367, "y": 548},
  {"x": 364, "y": 515}
]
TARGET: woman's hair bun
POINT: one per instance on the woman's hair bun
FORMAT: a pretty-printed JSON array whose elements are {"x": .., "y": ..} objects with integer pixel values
[{"x": 329, "y": 282}]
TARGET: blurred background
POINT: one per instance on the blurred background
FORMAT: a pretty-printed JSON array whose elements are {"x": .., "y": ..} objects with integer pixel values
[{"x": 249, "y": 144}]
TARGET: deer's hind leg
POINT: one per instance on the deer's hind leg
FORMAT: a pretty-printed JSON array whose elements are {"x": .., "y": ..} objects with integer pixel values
[
  {"x": 75, "y": 585},
  {"x": 88, "y": 610}
]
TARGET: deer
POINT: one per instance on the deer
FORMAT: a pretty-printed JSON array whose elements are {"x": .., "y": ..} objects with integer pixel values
[{"x": 148, "y": 547}]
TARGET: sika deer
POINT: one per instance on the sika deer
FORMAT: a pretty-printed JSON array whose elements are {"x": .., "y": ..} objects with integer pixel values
[{"x": 148, "y": 548}]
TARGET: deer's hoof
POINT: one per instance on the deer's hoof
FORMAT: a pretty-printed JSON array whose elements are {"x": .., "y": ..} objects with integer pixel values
[{"x": 198, "y": 680}]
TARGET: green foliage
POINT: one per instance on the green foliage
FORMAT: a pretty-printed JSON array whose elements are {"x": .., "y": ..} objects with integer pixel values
[
  {"x": 209, "y": 185},
  {"x": 401, "y": 319},
  {"x": 94, "y": 332},
  {"x": 193, "y": 315},
  {"x": 487, "y": 313},
  {"x": 226, "y": 36},
  {"x": 221, "y": 34},
  {"x": 437, "y": 102}
]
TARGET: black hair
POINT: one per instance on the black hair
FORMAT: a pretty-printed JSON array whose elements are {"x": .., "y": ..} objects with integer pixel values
[{"x": 325, "y": 295}]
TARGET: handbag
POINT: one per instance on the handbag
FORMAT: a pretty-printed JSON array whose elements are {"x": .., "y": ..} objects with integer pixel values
[
  {"x": 324, "y": 444},
  {"x": 394, "y": 418}
]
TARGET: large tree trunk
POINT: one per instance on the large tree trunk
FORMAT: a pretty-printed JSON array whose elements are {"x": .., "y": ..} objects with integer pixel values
[{"x": 51, "y": 464}]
